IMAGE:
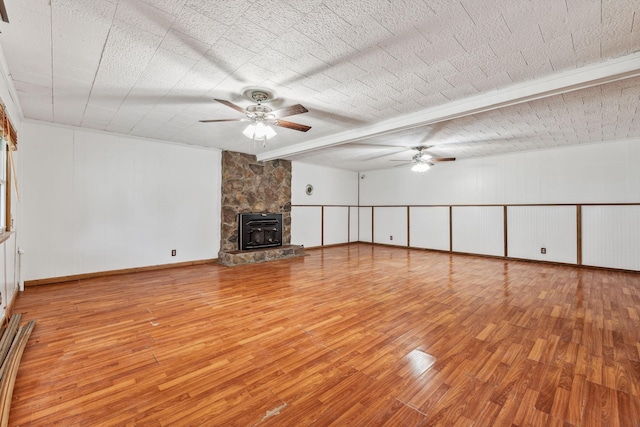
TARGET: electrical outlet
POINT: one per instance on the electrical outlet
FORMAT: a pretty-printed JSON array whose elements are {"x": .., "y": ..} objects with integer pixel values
[
  {"x": 173, "y": 252},
  {"x": 390, "y": 237},
  {"x": 543, "y": 250}
]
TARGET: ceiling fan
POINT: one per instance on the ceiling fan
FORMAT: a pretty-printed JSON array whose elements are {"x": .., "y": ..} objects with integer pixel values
[
  {"x": 262, "y": 117},
  {"x": 422, "y": 160}
]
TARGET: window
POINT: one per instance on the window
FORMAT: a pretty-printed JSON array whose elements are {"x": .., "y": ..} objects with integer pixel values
[
  {"x": 8, "y": 144},
  {"x": 4, "y": 194}
]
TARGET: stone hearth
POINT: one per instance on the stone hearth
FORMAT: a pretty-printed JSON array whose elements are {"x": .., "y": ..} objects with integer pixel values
[
  {"x": 259, "y": 255},
  {"x": 259, "y": 187}
]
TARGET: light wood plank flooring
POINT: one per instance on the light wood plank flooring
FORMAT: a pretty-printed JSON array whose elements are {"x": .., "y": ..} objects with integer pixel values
[{"x": 356, "y": 335}]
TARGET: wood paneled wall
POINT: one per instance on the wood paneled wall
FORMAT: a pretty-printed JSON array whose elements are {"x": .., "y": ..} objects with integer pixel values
[
  {"x": 599, "y": 235},
  {"x": 551, "y": 227},
  {"x": 478, "y": 230},
  {"x": 429, "y": 227},
  {"x": 611, "y": 236}
]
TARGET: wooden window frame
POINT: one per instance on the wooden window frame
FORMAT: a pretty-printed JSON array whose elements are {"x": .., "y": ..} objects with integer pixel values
[{"x": 11, "y": 138}]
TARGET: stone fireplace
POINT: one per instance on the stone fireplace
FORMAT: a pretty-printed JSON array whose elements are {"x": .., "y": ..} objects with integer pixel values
[{"x": 253, "y": 187}]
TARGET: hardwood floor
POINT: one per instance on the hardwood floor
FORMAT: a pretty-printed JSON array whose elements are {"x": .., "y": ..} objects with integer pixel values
[{"x": 355, "y": 335}]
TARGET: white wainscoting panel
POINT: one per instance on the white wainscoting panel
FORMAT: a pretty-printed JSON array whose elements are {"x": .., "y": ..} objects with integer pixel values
[
  {"x": 390, "y": 225},
  {"x": 306, "y": 226},
  {"x": 365, "y": 220},
  {"x": 336, "y": 225},
  {"x": 530, "y": 228},
  {"x": 353, "y": 224},
  {"x": 611, "y": 236},
  {"x": 429, "y": 227},
  {"x": 478, "y": 230}
]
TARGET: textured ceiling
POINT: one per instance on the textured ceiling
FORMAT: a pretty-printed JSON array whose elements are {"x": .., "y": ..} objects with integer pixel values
[{"x": 151, "y": 68}]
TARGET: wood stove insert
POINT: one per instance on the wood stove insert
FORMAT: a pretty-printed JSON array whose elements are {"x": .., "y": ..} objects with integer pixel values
[{"x": 259, "y": 230}]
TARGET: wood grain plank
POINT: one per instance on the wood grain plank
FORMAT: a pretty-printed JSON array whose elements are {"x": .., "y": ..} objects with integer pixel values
[{"x": 357, "y": 334}]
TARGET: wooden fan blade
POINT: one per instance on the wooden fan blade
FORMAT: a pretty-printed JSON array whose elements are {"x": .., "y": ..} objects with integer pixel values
[
  {"x": 231, "y": 105},
  {"x": 221, "y": 120},
  {"x": 289, "y": 111},
  {"x": 442, "y": 159},
  {"x": 3, "y": 12},
  {"x": 291, "y": 125}
]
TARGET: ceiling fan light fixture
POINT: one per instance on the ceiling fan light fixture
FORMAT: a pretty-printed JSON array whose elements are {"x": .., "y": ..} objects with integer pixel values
[
  {"x": 261, "y": 117},
  {"x": 259, "y": 131},
  {"x": 421, "y": 162},
  {"x": 249, "y": 131},
  {"x": 420, "y": 167}
]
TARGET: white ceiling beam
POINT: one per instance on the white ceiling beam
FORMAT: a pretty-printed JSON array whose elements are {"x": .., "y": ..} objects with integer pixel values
[{"x": 555, "y": 84}]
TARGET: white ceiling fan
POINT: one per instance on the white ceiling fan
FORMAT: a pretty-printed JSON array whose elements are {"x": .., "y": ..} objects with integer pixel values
[
  {"x": 422, "y": 160},
  {"x": 262, "y": 117}
]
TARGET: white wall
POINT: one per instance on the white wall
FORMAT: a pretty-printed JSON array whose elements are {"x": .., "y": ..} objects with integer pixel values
[
  {"x": 478, "y": 230},
  {"x": 331, "y": 186},
  {"x": 595, "y": 173},
  {"x": 337, "y": 217},
  {"x": 592, "y": 174},
  {"x": 365, "y": 224},
  {"x": 429, "y": 227},
  {"x": 611, "y": 236},
  {"x": 354, "y": 223},
  {"x": 326, "y": 209},
  {"x": 390, "y": 225},
  {"x": 98, "y": 202},
  {"x": 306, "y": 226},
  {"x": 554, "y": 228}
]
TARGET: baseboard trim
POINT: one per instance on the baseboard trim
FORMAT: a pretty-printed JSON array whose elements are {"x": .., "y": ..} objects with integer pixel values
[
  {"x": 536, "y": 261},
  {"x": 62, "y": 279}
]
